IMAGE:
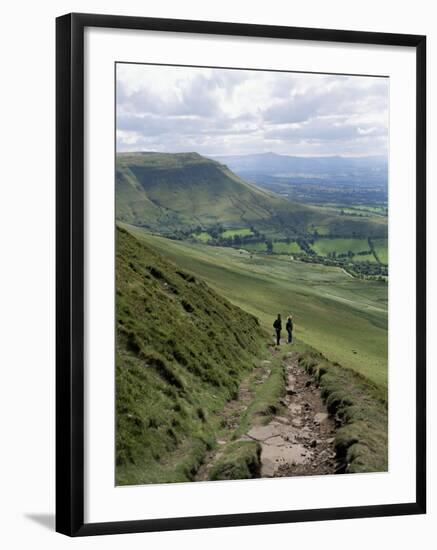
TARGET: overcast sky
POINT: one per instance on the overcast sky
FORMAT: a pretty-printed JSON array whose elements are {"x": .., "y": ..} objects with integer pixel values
[{"x": 225, "y": 111}]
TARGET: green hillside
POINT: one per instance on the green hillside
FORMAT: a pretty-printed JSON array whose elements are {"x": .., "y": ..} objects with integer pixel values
[
  {"x": 185, "y": 189},
  {"x": 167, "y": 192},
  {"x": 342, "y": 317},
  {"x": 182, "y": 351}
]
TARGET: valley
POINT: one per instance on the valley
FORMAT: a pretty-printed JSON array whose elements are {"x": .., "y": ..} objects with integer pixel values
[
  {"x": 179, "y": 193},
  {"x": 188, "y": 197},
  {"x": 205, "y": 261},
  {"x": 357, "y": 185},
  {"x": 343, "y": 317}
]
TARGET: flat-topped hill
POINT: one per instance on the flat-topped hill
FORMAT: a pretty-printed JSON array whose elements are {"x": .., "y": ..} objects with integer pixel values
[{"x": 169, "y": 191}]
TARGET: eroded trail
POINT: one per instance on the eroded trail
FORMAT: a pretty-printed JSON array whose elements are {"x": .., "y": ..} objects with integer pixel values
[{"x": 298, "y": 441}]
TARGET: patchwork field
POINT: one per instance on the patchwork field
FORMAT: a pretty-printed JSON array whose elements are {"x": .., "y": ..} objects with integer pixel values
[
  {"x": 244, "y": 232},
  {"x": 323, "y": 247},
  {"x": 203, "y": 236},
  {"x": 365, "y": 258},
  {"x": 286, "y": 248},
  {"x": 381, "y": 249},
  {"x": 361, "y": 210},
  {"x": 343, "y": 317}
]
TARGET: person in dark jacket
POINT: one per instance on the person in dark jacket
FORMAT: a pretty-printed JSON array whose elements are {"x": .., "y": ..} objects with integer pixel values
[
  {"x": 289, "y": 328},
  {"x": 277, "y": 325}
]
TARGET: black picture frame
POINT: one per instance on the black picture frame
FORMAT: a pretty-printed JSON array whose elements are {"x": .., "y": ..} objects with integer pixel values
[{"x": 70, "y": 273}]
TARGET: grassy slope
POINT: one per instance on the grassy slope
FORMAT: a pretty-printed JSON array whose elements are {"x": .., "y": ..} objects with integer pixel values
[
  {"x": 344, "y": 318},
  {"x": 132, "y": 202},
  {"x": 170, "y": 191},
  {"x": 182, "y": 351},
  {"x": 239, "y": 460},
  {"x": 195, "y": 189}
]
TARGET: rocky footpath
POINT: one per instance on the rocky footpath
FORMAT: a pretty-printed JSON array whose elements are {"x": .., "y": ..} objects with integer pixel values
[{"x": 300, "y": 441}]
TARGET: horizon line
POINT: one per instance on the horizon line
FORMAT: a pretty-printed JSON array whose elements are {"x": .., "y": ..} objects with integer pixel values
[{"x": 335, "y": 155}]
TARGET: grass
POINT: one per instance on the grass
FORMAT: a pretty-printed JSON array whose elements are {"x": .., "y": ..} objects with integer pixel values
[
  {"x": 203, "y": 236},
  {"x": 360, "y": 406},
  {"x": 343, "y": 317},
  {"x": 340, "y": 246},
  {"x": 286, "y": 248},
  {"x": 182, "y": 351},
  {"x": 265, "y": 400},
  {"x": 255, "y": 247},
  {"x": 381, "y": 250},
  {"x": 346, "y": 226},
  {"x": 244, "y": 232},
  {"x": 321, "y": 229},
  {"x": 364, "y": 258},
  {"x": 240, "y": 460}
]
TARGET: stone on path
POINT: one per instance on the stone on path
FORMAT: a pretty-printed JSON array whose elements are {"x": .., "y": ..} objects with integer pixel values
[
  {"x": 276, "y": 440},
  {"x": 321, "y": 417},
  {"x": 274, "y": 428},
  {"x": 263, "y": 432},
  {"x": 273, "y": 457},
  {"x": 294, "y": 408}
]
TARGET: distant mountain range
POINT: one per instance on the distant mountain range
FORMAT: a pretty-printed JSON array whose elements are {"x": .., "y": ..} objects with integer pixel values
[
  {"x": 167, "y": 192},
  {"x": 370, "y": 169},
  {"x": 351, "y": 181}
]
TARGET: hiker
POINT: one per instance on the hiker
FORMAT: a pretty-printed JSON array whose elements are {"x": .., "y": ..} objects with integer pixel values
[
  {"x": 277, "y": 325},
  {"x": 289, "y": 327}
]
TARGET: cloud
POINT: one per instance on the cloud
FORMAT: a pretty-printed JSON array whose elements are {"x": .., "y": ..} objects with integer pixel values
[{"x": 222, "y": 111}]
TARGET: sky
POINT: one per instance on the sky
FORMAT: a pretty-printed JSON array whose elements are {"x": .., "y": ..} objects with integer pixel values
[{"x": 237, "y": 112}]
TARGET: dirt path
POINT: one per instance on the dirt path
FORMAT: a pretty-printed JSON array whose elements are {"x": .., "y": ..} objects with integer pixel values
[{"x": 299, "y": 441}]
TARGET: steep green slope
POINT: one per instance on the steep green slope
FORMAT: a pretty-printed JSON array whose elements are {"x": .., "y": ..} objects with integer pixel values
[
  {"x": 166, "y": 192},
  {"x": 132, "y": 201},
  {"x": 186, "y": 189},
  {"x": 181, "y": 353}
]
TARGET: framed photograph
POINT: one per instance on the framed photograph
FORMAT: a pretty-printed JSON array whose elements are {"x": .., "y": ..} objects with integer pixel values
[{"x": 240, "y": 274}]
